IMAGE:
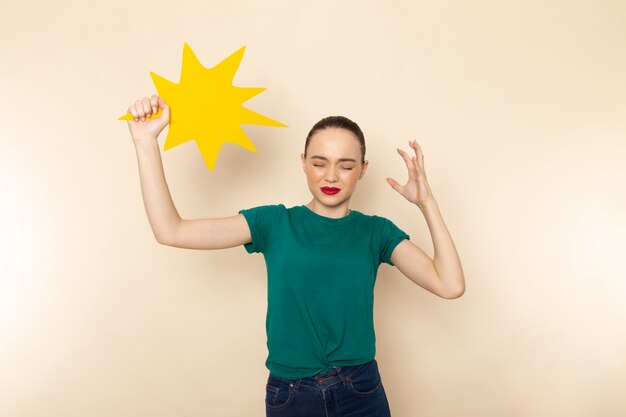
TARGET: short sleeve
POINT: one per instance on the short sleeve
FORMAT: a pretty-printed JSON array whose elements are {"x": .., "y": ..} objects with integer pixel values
[
  {"x": 260, "y": 220},
  {"x": 390, "y": 236}
]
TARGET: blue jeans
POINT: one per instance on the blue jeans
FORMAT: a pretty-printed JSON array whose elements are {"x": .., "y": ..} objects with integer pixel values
[{"x": 346, "y": 391}]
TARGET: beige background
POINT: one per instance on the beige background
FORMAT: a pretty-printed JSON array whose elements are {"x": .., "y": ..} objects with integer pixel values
[{"x": 519, "y": 107}]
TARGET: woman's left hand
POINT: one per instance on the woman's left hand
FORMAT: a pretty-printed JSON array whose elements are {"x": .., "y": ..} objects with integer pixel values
[{"x": 416, "y": 190}]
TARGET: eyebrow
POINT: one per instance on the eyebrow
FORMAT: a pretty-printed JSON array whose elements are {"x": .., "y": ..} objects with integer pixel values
[{"x": 339, "y": 160}]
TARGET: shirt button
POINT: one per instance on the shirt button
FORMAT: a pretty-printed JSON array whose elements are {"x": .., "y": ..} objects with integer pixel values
[{"x": 320, "y": 381}]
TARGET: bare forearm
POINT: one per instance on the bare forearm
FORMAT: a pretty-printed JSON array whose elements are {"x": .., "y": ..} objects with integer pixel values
[
  {"x": 157, "y": 200},
  {"x": 446, "y": 259}
]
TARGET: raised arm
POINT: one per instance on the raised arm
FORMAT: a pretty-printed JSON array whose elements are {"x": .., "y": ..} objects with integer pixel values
[
  {"x": 442, "y": 275},
  {"x": 167, "y": 225}
]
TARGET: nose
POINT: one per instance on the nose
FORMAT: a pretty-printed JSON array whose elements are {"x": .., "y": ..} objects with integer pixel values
[{"x": 331, "y": 176}]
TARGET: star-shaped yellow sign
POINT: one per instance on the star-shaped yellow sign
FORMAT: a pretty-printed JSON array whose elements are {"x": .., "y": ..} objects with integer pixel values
[{"x": 206, "y": 107}]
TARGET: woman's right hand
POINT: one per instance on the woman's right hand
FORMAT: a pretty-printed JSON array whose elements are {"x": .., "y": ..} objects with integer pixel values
[{"x": 142, "y": 129}]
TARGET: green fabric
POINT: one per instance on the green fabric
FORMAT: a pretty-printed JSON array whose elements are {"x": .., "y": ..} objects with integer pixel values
[{"x": 321, "y": 274}]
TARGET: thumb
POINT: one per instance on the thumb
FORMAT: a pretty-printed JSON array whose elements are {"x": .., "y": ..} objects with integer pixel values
[
  {"x": 165, "y": 107},
  {"x": 394, "y": 184}
]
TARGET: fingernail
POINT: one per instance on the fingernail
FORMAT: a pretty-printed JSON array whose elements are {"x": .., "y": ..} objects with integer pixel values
[
  {"x": 136, "y": 119},
  {"x": 143, "y": 119},
  {"x": 154, "y": 110}
]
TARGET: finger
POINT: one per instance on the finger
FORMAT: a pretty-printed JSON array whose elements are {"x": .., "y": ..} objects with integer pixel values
[
  {"x": 408, "y": 162},
  {"x": 413, "y": 144},
  {"x": 417, "y": 171},
  {"x": 139, "y": 109},
  {"x": 416, "y": 148},
  {"x": 145, "y": 102},
  {"x": 133, "y": 112},
  {"x": 421, "y": 155},
  {"x": 166, "y": 109},
  {"x": 406, "y": 157},
  {"x": 154, "y": 102},
  {"x": 394, "y": 184},
  {"x": 418, "y": 159},
  {"x": 162, "y": 103}
]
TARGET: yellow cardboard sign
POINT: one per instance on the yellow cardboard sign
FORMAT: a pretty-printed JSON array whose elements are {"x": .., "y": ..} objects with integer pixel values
[{"x": 206, "y": 107}]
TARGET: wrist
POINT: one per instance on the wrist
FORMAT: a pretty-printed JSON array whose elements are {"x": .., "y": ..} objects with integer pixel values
[
  {"x": 427, "y": 204},
  {"x": 145, "y": 140}
]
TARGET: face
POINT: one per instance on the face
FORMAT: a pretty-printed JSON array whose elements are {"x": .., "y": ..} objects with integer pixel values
[{"x": 333, "y": 166}]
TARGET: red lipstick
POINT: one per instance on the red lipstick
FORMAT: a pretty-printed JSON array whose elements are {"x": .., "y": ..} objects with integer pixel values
[{"x": 330, "y": 190}]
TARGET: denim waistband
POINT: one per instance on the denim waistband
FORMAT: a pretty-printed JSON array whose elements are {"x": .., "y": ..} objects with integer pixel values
[{"x": 322, "y": 381}]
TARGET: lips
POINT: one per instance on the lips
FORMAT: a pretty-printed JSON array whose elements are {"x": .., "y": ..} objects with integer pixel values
[{"x": 330, "y": 190}]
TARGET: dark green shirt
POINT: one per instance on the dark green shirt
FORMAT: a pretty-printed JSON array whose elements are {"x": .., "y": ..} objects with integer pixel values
[{"x": 320, "y": 280}]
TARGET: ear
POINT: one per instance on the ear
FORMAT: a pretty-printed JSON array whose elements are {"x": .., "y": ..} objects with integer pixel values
[
  {"x": 363, "y": 169},
  {"x": 303, "y": 160}
]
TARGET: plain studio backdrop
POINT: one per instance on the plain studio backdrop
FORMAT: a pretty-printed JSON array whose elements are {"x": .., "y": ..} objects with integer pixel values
[{"x": 519, "y": 108}]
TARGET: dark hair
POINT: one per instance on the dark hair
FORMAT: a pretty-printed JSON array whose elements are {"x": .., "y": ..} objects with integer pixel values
[{"x": 339, "y": 122}]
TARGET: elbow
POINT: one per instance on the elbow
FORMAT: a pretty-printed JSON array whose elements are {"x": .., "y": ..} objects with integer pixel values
[
  {"x": 163, "y": 240},
  {"x": 457, "y": 288},
  {"x": 165, "y": 235},
  {"x": 457, "y": 293}
]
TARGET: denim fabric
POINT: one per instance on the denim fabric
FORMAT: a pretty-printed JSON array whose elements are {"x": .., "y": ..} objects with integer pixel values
[{"x": 344, "y": 391}]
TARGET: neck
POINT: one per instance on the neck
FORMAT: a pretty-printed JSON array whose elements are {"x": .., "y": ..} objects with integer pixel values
[{"x": 335, "y": 212}]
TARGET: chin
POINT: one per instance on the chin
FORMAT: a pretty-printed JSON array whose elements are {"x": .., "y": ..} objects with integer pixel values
[{"x": 331, "y": 200}]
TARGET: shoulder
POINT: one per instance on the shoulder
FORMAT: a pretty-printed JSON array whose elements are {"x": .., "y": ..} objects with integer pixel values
[
  {"x": 266, "y": 213},
  {"x": 373, "y": 219},
  {"x": 382, "y": 225},
  {"x": 267, "y": 208}
]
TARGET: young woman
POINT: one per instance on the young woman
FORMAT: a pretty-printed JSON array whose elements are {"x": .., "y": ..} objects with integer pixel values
[{"x": 322, "y": 259}]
